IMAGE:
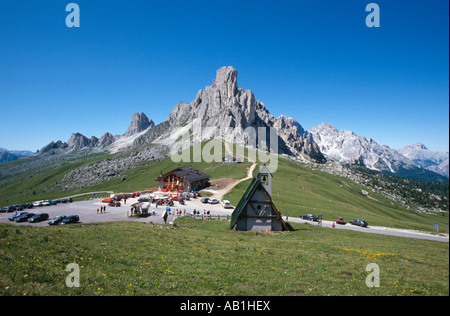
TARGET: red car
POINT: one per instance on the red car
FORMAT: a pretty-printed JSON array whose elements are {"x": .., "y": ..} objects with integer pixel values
[
  {"x": 108, "y": 200},
  {"x": 340, "y": 220},
  {"x": 112, "y": 203}
]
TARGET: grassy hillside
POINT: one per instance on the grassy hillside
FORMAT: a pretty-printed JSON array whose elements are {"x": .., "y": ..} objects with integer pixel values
[
  {"x": 298, "y": 190},
  {"x": 42, "y": 183},
  {"x": 206, "y": 258}
]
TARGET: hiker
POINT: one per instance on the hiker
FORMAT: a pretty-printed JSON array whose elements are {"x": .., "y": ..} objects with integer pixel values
[
  {"x": 97, "y": 210},
  {"x": 333, "y": 225}
]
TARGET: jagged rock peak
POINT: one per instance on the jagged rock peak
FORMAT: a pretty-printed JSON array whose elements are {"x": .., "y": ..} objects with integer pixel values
[
  {"x": 78, "y": 141},
  {"x": 227, "y": 78},
  {"x": 223, "y": 105},
  {"x": 139, "y": 123}
]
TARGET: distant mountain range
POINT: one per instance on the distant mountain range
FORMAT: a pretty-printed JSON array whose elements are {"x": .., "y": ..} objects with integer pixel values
[
  {"x": 224, "y": 105},
  {"x": 11, "y": 155},
  {"x": 347, "y": 147},
  {"x": 427, "y": 159}
]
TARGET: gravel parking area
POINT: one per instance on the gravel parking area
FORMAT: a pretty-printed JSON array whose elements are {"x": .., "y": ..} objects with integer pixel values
[{"x": 87, "y": 211}]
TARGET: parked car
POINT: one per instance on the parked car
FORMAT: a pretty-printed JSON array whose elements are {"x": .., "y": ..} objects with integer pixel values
[
  {"x": 27, "y": 205},
  {"x": 144, "y": 199},
  {"x": 107, "y": 200},
  {"x": 38, "y": 218},
  {"x": 114, "y": 204},
  {"x": 37, "y": 204},
  {"x": 24, "y": 217},
  {"x": 190, "y": 195},
  {"x": 214, "y": 201},
  {"x": 13, "y": 217},
  {"x": 46, "y": 203},
  {"x": 204, "y": 200},
  {"x": 8, "y": 209},
  {"x": 70, "y": 219},
  {"x": 226, "y": 204},
  {"x": 359, "y": 222},
  {"x": 56, "y": 220},
  {"x": 310, "y": 217},
  {"x": 340, "y": 220}
]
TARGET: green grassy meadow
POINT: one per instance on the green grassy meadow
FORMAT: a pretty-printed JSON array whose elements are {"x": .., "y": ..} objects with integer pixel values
[
  {"x": 298, "y": 190},
  {"x": 205, "y": 258}
]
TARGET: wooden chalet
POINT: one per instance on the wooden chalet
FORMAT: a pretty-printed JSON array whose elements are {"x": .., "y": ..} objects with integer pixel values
[{"x": 184, "y": 179}]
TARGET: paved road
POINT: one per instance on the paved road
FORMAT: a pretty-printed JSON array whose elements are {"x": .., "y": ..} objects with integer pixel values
[
  {"x": 87, "y": 211},
  {"x": 377, "y": 230}
]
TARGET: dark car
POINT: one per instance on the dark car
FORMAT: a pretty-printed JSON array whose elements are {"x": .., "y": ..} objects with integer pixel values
[
  {"x": 70, "y": 219},
  {"x": 27, "y": 205},
  {"x": 359, "y": 222},
  {"x": 144, "y": 199},
  {"x": 56, "y": 220},
  {"x": 8, "y": 209},
  {"x": 204, "y": 200},
  {"x": 24, "y": 217},
  {"x": 38, "y": 218},
  {"x": 13, "y": 217},
  {"x": 310, "y": 217},
  {"x": 116, "y": 204}
]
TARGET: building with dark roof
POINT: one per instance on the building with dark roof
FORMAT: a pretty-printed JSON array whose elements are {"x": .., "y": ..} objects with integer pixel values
[
  {"x": 256, "y": 211},
  {"x": 184, "y": 179}
]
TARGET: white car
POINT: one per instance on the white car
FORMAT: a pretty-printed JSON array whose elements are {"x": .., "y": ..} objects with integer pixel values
[
  {"x": 226, "y": 204},
  {"x": 37, "y": 203}
]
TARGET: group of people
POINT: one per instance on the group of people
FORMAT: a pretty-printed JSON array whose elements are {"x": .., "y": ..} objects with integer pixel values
[
  {"x": 102, "y": 209},
  {"x": 178, "y": 212}
]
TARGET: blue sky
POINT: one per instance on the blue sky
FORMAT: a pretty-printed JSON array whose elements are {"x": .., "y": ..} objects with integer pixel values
[{"x": 314, "y": 60}]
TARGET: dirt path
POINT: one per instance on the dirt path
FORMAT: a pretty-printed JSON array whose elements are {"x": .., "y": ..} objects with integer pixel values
[{"x": 229, "y": 184}]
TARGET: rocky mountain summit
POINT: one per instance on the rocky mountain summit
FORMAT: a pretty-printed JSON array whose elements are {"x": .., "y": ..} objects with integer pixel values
[
  {"x": 435, "y": 161},
  {"x": 139, "y": 123},
  {"x": 80, "y": 144},
  {"x": 349, "y": 148},
  {"x": 225, "y": 110}
]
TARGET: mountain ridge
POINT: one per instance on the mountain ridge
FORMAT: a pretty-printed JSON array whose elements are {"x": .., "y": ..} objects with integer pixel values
[
  {"x": 348, "y": 148},
  {"x": 222, "y": 107}
]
